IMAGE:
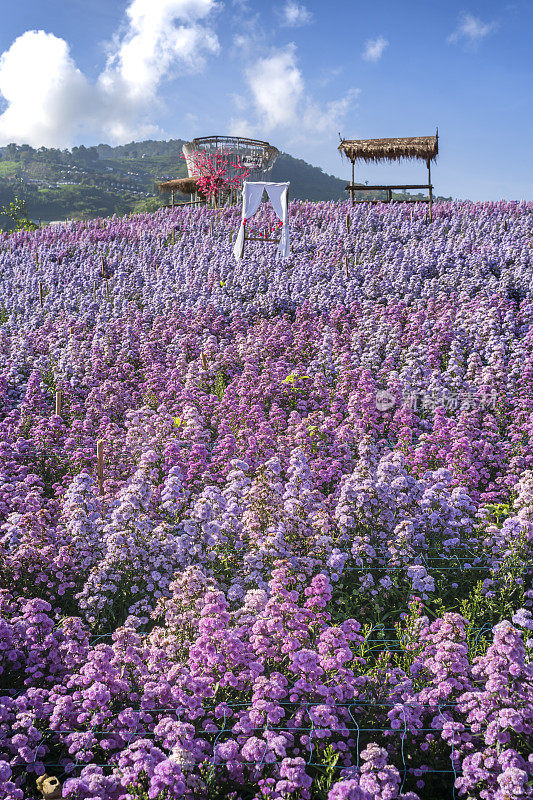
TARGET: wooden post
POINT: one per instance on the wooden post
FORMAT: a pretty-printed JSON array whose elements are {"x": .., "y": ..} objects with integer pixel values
[
  {"x": 346, "y": 267},
  {"x": 94, "y": 289},
  {"x": 352, "y": 190},
  {"x": 204, "y": 362},
  {"x": 172, "y": 195},
  {"x": 430, "y": 188},
  {"x": 347, "y": 223},
  {"x": 100, "y": 460},
  {"x": 103, "y": 268},
  {"x": 173, "y": 236},
  {"x": 41, "y": 294},
  {"x": 58, "y": 403},
  {"x": 107, "y": 288},
  {"x": 36, "y": 258}
]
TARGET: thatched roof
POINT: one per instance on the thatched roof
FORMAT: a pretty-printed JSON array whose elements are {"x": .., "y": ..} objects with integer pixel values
[
  {"x": 422, "y": 147},
  {"x": 183, "y": 185}
]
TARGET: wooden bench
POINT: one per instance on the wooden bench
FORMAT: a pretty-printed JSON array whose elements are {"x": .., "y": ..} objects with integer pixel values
[{"x": 363, "y": 187}]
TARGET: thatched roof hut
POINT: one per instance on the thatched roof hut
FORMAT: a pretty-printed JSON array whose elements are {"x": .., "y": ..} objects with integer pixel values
[
  {"x": 424, "y": 148},
  {"x": 183, "y": 185}
]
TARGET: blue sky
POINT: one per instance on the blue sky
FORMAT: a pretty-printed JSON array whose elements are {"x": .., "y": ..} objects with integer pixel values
[{"x": 295, "y": 73}]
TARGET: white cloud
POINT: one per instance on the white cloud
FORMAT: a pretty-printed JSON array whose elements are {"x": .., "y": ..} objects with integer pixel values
[
  {"x": 471, "y": 30},
  {"x": 331, "y": 116},
  {"x": 277, "y": 87},
  {"x": 55, "y": 103},
  {"x": 250, "y": 33},
  {"x": 374, "y": 49},
  {"x": 154, "y": 42},
  {"x": 294, "y": 15},
  {"x": 239, "y": 126},
  {"x": 281, "y": 102},
  {"x": 43, "y": 103}
]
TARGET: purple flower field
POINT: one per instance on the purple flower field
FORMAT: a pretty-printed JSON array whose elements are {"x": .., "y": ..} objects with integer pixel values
[{"x": 309, "y": 573}]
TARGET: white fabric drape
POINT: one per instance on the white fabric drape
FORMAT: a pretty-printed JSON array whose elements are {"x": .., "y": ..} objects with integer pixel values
[
  {"x": 277, "y": 193},
  {"x": 252, "y": 192}
]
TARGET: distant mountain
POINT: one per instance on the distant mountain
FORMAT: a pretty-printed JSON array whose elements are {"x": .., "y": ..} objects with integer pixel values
[
  {"x": 307, "y": 182},
  {"x": 103, "y": 180}
]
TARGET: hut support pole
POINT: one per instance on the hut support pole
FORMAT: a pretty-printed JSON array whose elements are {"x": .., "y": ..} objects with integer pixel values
[
  {"x": 430, "y": 189},
  {"x": 352, "y": 193},
  {"x": 172, "y": 195}
]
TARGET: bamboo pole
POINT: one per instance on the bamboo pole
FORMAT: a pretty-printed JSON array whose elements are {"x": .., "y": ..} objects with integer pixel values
[
  {"x": 348, "y": 221},
  {"x": 346, "y": 267},
  {"x": 204, "y": 362},
  {"x": 41, "y": 294},
  {"x": 173, "y": 236},
  {"x": 430, "y": 190},
  {"x": 58, "y": 403},
  {"x": 103, "y": 268},
  {"x": 94, "y": 289},
  {"x": 100, "y": 460},
  {"x": 107, "y": 288}
]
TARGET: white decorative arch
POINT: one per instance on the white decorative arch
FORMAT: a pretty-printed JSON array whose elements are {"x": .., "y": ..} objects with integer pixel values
[{"x": 278, "y": 194}]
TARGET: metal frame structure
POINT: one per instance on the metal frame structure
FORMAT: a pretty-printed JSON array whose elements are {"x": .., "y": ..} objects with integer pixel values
[{"x": 259, "y": 156}]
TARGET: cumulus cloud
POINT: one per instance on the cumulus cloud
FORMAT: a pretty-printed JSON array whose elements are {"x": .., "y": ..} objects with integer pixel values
[
  {"x": 293, "y": 14},
  {"x": 281, "y": 101},
  {"x": 160, "y": 33},
  {"x": 43, "y": 103},
  {"x": 374, "y": 49},
  {"x": 277, "y": 87},
  {"x": 51, "y": 105},
  {"x": 471, "y": 31}
]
